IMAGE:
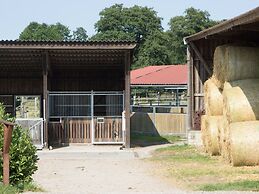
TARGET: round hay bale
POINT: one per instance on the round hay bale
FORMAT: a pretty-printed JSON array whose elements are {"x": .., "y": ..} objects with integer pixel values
[
  {"x": 244, "y": 143},
  {"x": 204, "y": 134},
  {"x": 213, "y": 99},
  {"x": 221, "y": 131},
  {"x": 235, "y": 63},
  {"x": 251, "y": 83},
  {"x": 241, "y": 104},
  {"x": 212, "y": 134},
  {"x": 225, "y": 141}
]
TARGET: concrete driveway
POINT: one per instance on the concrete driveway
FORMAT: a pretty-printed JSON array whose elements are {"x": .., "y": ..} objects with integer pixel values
[{"x": 101, "y": 169}]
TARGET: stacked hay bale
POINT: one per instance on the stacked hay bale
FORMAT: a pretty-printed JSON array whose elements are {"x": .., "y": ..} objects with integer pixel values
[{"x": 230, "y": 127}]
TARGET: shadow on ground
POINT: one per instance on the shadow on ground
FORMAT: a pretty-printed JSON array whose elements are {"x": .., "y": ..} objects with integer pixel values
[{"x": 144, "y": 140}]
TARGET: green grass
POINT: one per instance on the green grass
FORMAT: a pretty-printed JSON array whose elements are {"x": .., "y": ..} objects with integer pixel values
[
  {"x": 22, "y": 187},
  {"x": 233, "y": 186},
  {"x": 143, "y": 139},
  {"x": 8, "y": 189},
  {"x": 182, "y": 153},
  {"x": 195, "y": 170}
]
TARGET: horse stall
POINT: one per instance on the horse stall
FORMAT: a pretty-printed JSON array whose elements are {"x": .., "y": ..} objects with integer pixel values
[{"x": 70, "y": 92}]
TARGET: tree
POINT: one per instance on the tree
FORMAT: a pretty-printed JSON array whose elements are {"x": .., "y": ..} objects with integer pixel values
[
  {"x": 134, "y": 22},
  {"x": 53, "y": 32},
  {"x": 121, "y": 23},
  {"x": 80, "y": 34},
  {"x": 193, "y": 21},
  {"x": 154, "y": 51}
]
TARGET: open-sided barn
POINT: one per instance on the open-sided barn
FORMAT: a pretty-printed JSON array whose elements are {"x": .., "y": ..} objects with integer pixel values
[
  {"x": 241, "y": 30},
  {"x": 83, "y": 88}
]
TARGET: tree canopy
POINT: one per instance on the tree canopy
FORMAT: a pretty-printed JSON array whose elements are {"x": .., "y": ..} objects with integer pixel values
[
  {"x": 140, "y": 24},
  {"x": 58, "y": 32},
  {"x": 193, "y": 21},
  {"x": 134, "y": 22}
]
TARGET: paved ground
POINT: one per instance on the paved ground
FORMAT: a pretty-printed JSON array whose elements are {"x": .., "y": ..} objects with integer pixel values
[{"x": 99, "y": 169}]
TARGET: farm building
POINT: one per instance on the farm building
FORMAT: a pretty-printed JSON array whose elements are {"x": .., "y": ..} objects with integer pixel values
[
  {"x": 161, "y": 85},
  {"x": 79, "y": 90},
  {"x": 241, "y": 30}
]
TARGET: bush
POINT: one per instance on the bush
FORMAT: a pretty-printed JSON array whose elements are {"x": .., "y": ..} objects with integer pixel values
[{"x": 23, "y": 158}]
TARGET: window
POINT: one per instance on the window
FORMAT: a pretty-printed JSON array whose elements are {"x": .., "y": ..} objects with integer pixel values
[{"x": 27, "y": 106}]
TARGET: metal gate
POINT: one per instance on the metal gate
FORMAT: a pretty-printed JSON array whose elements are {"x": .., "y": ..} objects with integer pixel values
[
  {"x": 35, "y": 127},
  {"x": 95, "y": 117}
]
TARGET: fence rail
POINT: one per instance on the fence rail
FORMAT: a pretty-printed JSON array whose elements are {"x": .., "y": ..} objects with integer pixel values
[{"x": 159, "y": 120}]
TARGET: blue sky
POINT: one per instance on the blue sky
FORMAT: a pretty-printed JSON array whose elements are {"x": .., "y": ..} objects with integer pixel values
[{"x": 15, "y": 15}]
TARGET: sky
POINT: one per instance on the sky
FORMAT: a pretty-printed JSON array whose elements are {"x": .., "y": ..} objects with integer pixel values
[{"x": 15, "y": 15}]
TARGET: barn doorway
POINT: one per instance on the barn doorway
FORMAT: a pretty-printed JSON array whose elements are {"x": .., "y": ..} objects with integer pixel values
[{"x": 86, "y": 117}]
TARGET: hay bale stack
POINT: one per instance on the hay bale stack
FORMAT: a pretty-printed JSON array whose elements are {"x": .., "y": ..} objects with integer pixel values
[
  {"x": 244, "y": 143},
  {"x": 235, "y": 63},
  {"x": 213, "y": 98},
  {"x": 241, "y": 104},
  {"x": 204, "y": 134},
  {"x": 212, "y": 129}
]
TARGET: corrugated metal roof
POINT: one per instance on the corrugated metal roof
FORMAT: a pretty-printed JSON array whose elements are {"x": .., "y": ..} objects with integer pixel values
[
  {"x": 160, "y": 75},
  {"x": 111, "y": 44},
  {"x": 246, "y": 18}
]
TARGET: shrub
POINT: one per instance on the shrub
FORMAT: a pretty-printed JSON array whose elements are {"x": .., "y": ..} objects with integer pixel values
[{"x": 23, "y": 158}]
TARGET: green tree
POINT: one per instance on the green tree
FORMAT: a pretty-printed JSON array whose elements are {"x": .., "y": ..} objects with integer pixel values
[
  {"x": 80, "y": 34},
  {"x": 134, "y": 22},
  {"x": 53, "y": 32},
  {"x": 36, "y": 31},
  {"x": 193, "y": 21},
  {"x": 154, "y": 51}
]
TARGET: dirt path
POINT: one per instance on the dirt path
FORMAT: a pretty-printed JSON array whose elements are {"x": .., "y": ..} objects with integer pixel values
[{"x": 81, "y": 169}]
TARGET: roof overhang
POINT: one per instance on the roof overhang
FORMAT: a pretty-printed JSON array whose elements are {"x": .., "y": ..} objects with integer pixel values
[
  {"x": 246, "y": 22},
  {"x": 80, "y": 45}
]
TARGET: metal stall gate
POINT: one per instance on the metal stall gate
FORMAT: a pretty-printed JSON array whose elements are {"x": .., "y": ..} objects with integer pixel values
[{"x": 89, "y": 117}]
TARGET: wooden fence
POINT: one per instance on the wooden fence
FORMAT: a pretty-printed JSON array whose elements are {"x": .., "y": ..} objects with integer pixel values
[
  {"x": 159, "y": 123},
  {"x": 79, "y": 131}
]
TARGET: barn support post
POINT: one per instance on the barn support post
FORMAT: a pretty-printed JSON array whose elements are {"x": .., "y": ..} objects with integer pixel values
[
  {"x": 127, "y": 98},
  {"x": 190, "y": 89},
  {"x": 45, "y": 96},
  {"x": 8, "y": 128}
]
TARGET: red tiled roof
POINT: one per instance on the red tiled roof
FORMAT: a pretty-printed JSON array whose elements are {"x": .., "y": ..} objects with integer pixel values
[{"x": 160, "y": 75}]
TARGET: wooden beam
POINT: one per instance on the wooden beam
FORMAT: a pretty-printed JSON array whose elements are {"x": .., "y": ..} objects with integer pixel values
[
  {"x": 197, "y": 52},
  {"x": 45, "y": 66},
  {"x": 127, "y": 98}
]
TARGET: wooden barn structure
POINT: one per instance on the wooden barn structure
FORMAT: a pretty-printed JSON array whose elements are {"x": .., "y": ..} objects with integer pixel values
[
  {"x": 241, "y": 30},
  {"x": 83, "y": 87}
]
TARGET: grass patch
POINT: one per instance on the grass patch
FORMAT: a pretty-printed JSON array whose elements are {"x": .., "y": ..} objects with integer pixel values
[
  {"x": 21, "y": 187},
  {"x": 193, "y": 169},
  {"x": 146, "y": 139},
  {"x": 237, "y": 186},
  {"x": 181, "y": 153},
  {"x": 8, "y": 189}
]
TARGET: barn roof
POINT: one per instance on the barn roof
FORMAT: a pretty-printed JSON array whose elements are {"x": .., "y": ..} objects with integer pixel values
[
  {"x": 31, "y": 44},
  {"x": 247, "y": 22},
  {"x": 160, "y": 75}
]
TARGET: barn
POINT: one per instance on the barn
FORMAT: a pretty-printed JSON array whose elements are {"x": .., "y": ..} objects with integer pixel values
[
  {"x": 241, "y": 30},
  {"x": 78, "y": 91}
]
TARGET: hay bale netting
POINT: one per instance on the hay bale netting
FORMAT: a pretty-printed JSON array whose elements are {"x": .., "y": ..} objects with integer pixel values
[
  {"x": 204, "y": 134},
  {"x": 241, "y": 104},
  {"x": 235, "y": 63},
  {"x": 212, "y": 134},
  {"x": 244, "y": 143},
  {"x": 213, "y": 98}
]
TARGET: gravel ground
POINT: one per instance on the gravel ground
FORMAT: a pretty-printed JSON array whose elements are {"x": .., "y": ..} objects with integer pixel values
[{"x": 88, "y": 169}]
